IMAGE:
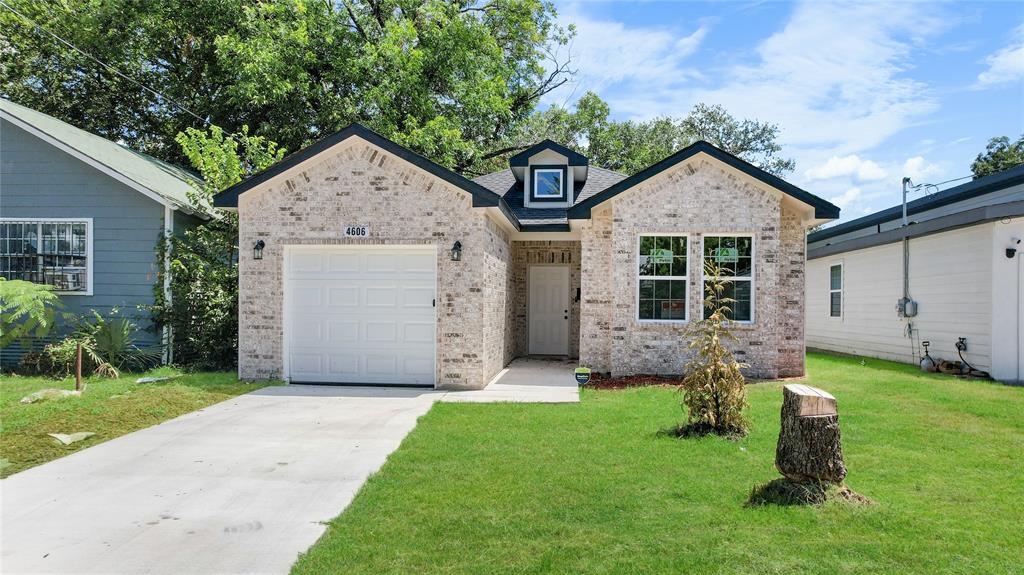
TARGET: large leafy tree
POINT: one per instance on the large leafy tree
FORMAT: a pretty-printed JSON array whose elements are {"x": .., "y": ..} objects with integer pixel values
[
  {"x": 1000, "y": 154},
  {"x": 630, "y": 146},
  {"x": 446, "y": 78}
]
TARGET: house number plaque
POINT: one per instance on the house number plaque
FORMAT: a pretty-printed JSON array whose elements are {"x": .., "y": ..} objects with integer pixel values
[{"x": 357, "y": 231}]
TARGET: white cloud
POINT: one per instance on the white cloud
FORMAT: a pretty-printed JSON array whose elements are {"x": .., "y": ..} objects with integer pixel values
[
  {"x": 919, "y": 170},
  {"x": 606, "y": 53},
  {"x": 834, "y": 77},
  {"x": 847, "y": 166},
  {"x": 847, "y": 198},
  {"x": 1005, "y": 65}
]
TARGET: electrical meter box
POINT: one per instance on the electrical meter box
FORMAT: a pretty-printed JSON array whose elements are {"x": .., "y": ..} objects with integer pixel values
[{"x": 906, "y": 307}]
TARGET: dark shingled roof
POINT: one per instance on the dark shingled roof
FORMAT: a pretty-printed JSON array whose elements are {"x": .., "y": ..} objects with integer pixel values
[{"x": 504, "y": 184}]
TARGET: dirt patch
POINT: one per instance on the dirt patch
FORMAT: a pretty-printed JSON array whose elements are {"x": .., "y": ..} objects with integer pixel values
[
  {"x": 704, "y": 430},
  {"x": 785, "y": 492},
  {"x": 629, "y": 381}
]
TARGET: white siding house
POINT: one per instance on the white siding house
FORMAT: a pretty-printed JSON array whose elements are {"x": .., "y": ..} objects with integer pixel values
[{"x": 960, "y": 275}]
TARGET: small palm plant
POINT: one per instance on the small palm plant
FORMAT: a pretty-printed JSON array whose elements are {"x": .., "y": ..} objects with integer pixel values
[
  {"x": 713, "y": 385},
  {"x": 110, "y": 345}
]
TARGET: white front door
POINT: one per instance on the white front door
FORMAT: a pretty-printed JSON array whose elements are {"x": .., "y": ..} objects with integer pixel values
[
  {"x": 549, "y": 310},
  {"x": 360, "y": 314}
]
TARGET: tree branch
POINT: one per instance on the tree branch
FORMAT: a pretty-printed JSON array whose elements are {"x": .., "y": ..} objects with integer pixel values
[{"x": 352, "y": 17}]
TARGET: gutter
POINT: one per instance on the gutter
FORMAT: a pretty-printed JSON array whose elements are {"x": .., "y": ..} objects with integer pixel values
[{"x": 925, "y": 228}]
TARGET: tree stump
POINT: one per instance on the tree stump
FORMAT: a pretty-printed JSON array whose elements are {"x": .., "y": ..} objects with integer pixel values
[{"x": 809, "y": 448}]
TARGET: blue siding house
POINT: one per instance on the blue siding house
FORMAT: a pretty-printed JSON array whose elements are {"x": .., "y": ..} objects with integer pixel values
[{"x": 85, "y": 215}]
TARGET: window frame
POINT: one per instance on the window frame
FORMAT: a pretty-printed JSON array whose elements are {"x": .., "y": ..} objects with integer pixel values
[
  {"x": 564, "y": 174},
  {"x": 841, "y": 291},
  {"x": 752, "y": 278},
  {"x": 89, "y": 240},
  {"x": 638, "y": 278}
]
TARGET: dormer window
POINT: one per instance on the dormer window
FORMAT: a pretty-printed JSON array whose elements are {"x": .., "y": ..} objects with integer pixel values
[{"x": 547, "y": 183}]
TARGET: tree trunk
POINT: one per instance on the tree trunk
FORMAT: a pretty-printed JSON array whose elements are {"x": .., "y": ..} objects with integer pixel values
[{"x": 809, "y": 448}]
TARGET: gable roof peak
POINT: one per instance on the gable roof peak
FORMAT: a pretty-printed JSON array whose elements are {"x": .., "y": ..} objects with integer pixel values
[
  {"x": 523, "y": 158},
  {"x": 823, "y": 209}
]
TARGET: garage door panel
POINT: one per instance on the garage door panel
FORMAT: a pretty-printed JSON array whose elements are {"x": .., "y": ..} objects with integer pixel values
[
  {"x": 344, "y": 365},
  {"x": 307, "y": 364},
  {"x": 306, "y": 262},
  {"x": 343, "y": 296},
  {"x": 343, "y": 263},
  {"x": 308, "y": 296},
  {"x": 418, "y": 297},
  {"x": 362, "y": 315},
  {"x": 311, "y": 334},
  {"x": 381, "y": 296},
  {"x": 382, "y": 331},
  {"x": 418, "y": 332},
  {"x": 343, "y": 332},
  {"x": 383, "y": 364}
]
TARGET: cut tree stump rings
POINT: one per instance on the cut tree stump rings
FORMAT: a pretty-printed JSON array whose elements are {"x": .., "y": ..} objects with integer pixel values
[{"x": 809, "y": 448}]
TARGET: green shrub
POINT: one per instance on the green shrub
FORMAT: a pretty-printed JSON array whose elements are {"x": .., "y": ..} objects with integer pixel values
[
  {"x": 714, "y": 392},
  {"x": 109, "y": 346}
]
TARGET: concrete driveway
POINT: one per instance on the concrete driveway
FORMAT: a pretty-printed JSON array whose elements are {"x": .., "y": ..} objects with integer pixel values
[{"x": 238, "y": 487}]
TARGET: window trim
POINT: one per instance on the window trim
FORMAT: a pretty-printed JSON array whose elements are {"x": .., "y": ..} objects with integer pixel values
[
  {"x": 752, "y": 277},
  {"x": 563, "y": 169},
  {"x": 89, "y": 240},
  {"x": 841, "y": 290},
  {"x": 637, "y": 277}
]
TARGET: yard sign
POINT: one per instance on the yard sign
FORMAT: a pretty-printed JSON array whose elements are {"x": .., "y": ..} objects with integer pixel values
[
  {"x": 727, "y": 255},
  {"x": 661, "y": 256}
]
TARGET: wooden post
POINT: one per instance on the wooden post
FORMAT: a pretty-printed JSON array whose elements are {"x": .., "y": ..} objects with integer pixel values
[
  {"x": 809, "y": 448},
  {"x": 78, "y": 367}
]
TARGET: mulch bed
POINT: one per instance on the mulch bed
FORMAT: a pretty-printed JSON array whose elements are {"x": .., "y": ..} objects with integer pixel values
[{"x": 602, "y": 382}]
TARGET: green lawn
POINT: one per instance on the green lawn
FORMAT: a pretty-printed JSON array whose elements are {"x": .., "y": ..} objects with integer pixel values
[
  {"x": 108, "y": 407},
  {"x": 593, "y": 488}
]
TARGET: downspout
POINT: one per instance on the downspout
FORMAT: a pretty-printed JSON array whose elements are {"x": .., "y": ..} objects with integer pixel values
[{"x": 168, "y": 233}]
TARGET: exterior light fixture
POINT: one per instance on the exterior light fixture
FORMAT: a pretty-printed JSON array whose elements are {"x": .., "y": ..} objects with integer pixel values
[
  {"x": 257, "y": 249},
  {"x": 457, "y": 251}
]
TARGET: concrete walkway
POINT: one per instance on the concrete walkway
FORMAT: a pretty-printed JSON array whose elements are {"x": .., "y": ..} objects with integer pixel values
[
  {"x": 238, "y": 487},
  {"x": 527, "y": 380},
  {"x": 242, "y": 486}
]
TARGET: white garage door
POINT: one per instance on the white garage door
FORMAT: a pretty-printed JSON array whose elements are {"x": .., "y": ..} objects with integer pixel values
[{"x": 361, "y": 314}]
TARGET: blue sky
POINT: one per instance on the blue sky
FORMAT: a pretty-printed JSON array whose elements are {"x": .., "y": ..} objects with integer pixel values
[{"x": 864, "y": 93}]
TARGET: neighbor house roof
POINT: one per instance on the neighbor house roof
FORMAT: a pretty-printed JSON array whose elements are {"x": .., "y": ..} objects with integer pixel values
[
  {"x": 162, "y": 182},
  {"x": 822, "y": 208},
  {"x": 994, "y": 182},
  {"x": 982, "y": 200}
]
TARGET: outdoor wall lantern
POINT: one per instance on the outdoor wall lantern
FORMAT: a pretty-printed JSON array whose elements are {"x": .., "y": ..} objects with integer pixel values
[
  {"x": 456, "y": 251},
  {"x": 257, "y": 250}
]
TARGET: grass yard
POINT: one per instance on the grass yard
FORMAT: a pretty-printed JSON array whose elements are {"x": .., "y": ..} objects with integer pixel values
[
  {"x": 593, "y": 488},
  {"x": 107, "y": 407}
]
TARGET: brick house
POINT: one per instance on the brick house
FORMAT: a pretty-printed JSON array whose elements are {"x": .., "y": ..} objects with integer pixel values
[{"x": 363, "y": 262}]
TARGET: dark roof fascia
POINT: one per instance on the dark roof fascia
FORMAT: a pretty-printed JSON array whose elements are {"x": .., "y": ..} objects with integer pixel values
[
  {"x": 928, "y": 227},
  {"x": 482, "y": 197},
  {"x": 523, "y": 158},
  {"x": 822, "y": 208},
  {"x": 509, "y": 215},
  {"x": 546, "y": 228},
  {"x": 984, "y": 185}
]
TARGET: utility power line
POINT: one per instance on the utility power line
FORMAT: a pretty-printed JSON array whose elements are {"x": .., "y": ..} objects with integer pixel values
[{"x": 105, "y": 65}]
